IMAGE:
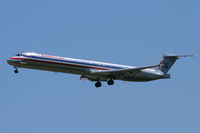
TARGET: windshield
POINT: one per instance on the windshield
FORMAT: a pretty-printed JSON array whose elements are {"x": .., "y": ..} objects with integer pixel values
[{"x": 19, "y": 54}]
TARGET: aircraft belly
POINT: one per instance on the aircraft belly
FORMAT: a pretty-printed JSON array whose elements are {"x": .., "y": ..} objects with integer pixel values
[
  {"x": 140, "y": 77},
  {"x": 137, "y": 79}
]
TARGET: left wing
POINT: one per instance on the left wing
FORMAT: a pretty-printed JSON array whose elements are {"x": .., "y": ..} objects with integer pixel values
[{"x": 121, "y": 72}]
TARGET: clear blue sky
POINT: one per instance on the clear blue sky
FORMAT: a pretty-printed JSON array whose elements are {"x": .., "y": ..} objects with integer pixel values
[{"x": 124, "y": 32}]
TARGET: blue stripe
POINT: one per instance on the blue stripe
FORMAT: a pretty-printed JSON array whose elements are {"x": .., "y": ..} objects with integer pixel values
[{"x": 76, "y": 62}]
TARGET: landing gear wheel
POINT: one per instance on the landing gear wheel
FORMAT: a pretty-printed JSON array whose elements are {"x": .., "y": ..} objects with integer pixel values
[
  {"x": 110, "y": 82},
  {"x": 16, "y": 71},
  {"x": 98, "y": 84}
]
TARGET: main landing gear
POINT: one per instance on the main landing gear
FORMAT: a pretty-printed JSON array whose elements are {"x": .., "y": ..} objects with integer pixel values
[
  {"x": 109, "y": 82},
  {"x": 98, "y": 84},
  {"x": 16, "y": 71}
]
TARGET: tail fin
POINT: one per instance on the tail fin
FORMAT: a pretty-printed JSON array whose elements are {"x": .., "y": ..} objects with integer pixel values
[{"x": 168, "y": 60}]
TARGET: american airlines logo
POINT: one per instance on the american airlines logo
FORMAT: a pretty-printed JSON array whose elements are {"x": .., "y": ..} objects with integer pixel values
[
  {"x": 163, "y": 64},
  {"x": 51, "y": 56}
]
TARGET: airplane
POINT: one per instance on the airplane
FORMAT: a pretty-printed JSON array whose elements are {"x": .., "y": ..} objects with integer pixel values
[{"x": 93, "y": 70}]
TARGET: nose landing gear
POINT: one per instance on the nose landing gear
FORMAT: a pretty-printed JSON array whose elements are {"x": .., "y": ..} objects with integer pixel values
[{"x": 16, "y": 71}]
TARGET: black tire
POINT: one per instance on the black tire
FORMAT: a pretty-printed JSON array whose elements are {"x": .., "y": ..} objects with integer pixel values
[
  {"x": 16, "y": 71},
  {"x": 110, "y": 82},
  {"x": 98, "y": 84}
]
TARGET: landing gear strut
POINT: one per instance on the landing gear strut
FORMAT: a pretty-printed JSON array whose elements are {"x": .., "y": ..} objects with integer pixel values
[
  {"x": 16, "y": 71},
  {"x": 110, "y": 82},
  {"x": 98, "y": 84}
]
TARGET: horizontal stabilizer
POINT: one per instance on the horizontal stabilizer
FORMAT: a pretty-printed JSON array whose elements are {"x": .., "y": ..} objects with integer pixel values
[{"x": 177, "y": 56}]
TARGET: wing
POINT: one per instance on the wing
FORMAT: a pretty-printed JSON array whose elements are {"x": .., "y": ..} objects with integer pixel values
[{"x": 121, "y": 72}]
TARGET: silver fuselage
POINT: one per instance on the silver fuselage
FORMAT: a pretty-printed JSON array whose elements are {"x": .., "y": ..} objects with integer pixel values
[{"x": 81, "y": 67}]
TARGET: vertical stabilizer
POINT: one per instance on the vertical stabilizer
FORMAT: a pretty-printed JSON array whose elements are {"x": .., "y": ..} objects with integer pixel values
[{"x": 168, "y": 60}]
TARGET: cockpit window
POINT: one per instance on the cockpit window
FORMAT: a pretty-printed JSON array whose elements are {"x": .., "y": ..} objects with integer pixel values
[{"x": 19, "y": 54}]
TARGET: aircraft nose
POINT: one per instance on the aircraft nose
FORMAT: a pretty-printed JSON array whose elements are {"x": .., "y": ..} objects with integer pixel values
[{"x": 10, "y": 61}]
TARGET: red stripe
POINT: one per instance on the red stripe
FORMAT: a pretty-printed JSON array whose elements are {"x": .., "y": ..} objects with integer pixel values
[{"x": 59, "y": 63}]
